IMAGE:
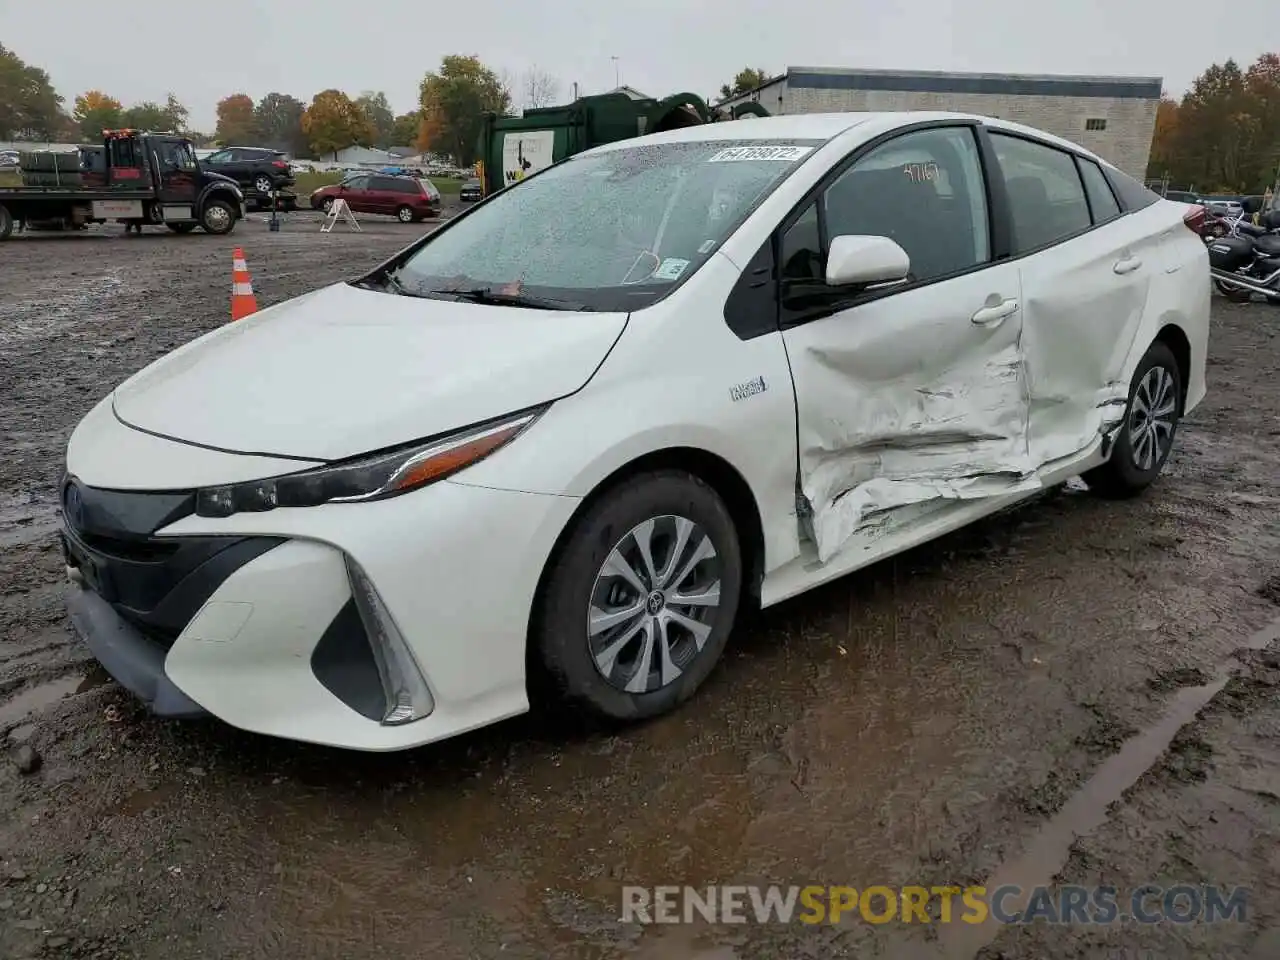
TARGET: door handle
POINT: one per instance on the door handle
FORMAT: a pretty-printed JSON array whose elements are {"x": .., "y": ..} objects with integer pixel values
[
  {"x": 992, "y": 315},
  {"x": 1127, "y": 265}
]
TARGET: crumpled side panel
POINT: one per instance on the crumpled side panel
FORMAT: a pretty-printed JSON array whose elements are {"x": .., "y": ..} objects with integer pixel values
[{"x": 952, "y": 433}]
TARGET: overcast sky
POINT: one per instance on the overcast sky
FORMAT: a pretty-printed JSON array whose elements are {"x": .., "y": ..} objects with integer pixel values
[{"x": 142, "y": 49}]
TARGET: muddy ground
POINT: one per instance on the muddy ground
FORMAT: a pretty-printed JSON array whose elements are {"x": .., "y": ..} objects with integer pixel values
[{"x": 934, "y": 720}]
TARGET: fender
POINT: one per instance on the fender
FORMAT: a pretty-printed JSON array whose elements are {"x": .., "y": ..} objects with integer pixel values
[{"x": 214, "y": 190}]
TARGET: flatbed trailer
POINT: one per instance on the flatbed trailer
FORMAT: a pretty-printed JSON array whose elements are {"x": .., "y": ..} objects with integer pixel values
[{"x": 146, "y": 179}]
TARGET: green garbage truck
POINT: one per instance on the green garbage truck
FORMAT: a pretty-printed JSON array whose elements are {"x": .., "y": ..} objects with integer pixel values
[{"x": 511, "y": 148}]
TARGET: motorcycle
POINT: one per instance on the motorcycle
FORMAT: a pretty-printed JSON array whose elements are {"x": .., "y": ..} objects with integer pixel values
[{"x": 1246, "y": 259}]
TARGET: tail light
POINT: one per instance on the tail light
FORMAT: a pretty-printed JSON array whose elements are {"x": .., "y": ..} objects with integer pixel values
[
  {"x": 1196, "y": 218},
  {"x": 280, "y": 163}
]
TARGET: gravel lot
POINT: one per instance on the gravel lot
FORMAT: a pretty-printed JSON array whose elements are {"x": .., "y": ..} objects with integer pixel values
[{"x": 933, "y": 720}]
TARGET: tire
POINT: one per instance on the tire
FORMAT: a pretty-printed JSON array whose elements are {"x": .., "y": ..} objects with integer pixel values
[
  {"x": 327, "y": 205},
  {"x": 404, "y": 214},
  {"x": 1126, "y": 474},
  {"x": 6, "y": 222},
  {"x": 1233, "y": 293},
  {"x": 181, "y": 227},
  {"x": 217, "y": 223},
  {"x": 262, "y": 183},
  {"x": 578, "y": 581}
]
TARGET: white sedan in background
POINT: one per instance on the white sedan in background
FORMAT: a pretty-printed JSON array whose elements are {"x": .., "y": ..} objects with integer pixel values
[{"x": 571, "y": 435}]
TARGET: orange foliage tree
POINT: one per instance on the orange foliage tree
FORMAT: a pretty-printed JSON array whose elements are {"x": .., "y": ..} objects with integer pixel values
[
  {"x": 236, "y": 121},
  {"x": 95, "y": 112}
]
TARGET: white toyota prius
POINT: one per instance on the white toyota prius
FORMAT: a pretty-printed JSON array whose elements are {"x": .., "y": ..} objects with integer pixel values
[{"x": 574, "y": 433}]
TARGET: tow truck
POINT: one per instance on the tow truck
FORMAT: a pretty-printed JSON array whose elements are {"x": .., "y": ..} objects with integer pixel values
[{"x": 136, "y": 178}]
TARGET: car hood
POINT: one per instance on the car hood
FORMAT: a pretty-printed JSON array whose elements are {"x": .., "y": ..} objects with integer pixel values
[{"x": 344, "y": 371}]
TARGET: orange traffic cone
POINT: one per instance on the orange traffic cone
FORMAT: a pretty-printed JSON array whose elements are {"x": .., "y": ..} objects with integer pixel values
[{"x": 243, "y": 301}]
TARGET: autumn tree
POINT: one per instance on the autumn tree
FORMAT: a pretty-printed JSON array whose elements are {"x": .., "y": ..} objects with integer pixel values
[
  {"x": 95, "y": 112},
  {"x": 454, "y": 100},
  {"x": 538, "y": 88},
  {"x": 746, "y": 79},
  {"x": 30, "y": 109},
  {"x": 405, "y": 130},
  {"x": 381, "y": 117},
  {"x": 278, "y": 120},
  {"x": 236, "y": 121},
  {"x": 334, "y": 122}
]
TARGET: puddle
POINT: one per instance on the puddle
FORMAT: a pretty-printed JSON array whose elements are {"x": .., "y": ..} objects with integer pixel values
[
  {"x": 36, "y": 698},
  {"x": 1047, "y": 852},
  {"x": 140, "y": 801}
]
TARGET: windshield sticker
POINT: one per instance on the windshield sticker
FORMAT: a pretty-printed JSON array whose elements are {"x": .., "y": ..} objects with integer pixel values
[
  {"x": 788, "y": 154},
  {"x": 670, "y": 269}
]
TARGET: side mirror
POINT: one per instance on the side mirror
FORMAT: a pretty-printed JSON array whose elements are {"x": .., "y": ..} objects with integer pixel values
[{"x": 865, "y": 260}]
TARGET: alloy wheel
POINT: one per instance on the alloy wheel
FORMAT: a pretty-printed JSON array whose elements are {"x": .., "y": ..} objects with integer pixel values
[
  {"x": 1151, "y": 418},
  {"x": 653, "y": 604}
]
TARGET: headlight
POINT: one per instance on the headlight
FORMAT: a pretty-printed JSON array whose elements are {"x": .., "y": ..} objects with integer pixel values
[{"x": 374, "y": 477}]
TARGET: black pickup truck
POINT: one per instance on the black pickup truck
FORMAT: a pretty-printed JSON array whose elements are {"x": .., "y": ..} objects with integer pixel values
[{"x": 135, "y": 178}]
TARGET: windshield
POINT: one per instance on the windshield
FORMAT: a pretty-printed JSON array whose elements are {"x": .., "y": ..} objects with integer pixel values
[{"x": 607, "y": 232}]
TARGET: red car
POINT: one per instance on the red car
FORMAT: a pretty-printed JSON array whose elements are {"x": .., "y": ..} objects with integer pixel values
[{"x": 408, "y": 199}]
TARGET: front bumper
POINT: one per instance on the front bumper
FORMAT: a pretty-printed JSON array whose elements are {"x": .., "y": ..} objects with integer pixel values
[
  {"x": 135, "y": 661},
  {"x": 281, "y": 646}
]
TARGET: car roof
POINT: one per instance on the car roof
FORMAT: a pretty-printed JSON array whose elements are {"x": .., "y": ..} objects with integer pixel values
[{"x": 825, "y": 126}]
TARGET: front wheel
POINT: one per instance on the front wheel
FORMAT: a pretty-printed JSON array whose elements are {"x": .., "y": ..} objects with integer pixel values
[
  {"x": 639, "y": 602},
  {"x": 405, "y": 215},
  {"x": 327, "y": 205},
  {"x": 1145, "y": 437},
  {"x": 217, "y": 218},
  {"x": 6, "y": 222}
]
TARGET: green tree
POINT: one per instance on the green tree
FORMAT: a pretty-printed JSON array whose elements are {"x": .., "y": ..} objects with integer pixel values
[
  {"x": 747, "y": 78},
  {"x": 278, "y": 118},
  {"x": 453, "y": 102},
  {"x": 170, "y": 117},
  {"x": 381, "y": 117},
  {"x": 30, "y": 108},
  {"x": 334, "y": 122},
  {"x": 95, "y": 112},
  {"x": 406, "y": 128},
  {"x": 236, "y": 122}
]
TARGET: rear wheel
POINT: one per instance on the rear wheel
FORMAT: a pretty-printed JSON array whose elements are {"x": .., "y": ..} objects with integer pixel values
[
  {"x": 1232, "y": 292},
  {"x": 217, "y": 218},
  {"x": 639, "y": 603},
  {"x": 1144, "y": 439},
  {"x": 262, "y": 184},
  {"x": 181, "y": 227},
  {"x": 6, "y": 222},
  {"x": 405, "y": 214}
]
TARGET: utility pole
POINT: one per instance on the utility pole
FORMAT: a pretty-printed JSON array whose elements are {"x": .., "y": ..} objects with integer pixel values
[{"x": 617, "y": 73}]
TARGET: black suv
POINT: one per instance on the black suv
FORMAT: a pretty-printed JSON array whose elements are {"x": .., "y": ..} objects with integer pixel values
[{"x": 258, "y": 170}]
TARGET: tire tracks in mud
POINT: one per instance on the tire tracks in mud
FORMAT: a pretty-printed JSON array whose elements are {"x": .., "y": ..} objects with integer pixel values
[{"x": 1159, "y": 749}]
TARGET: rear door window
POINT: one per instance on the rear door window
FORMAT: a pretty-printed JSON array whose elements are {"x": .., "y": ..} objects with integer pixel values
[{"x": 1046, "y": 195}]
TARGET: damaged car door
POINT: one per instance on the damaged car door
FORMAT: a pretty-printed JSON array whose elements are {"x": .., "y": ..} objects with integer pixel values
[
  {"x": 1084, "y": 291},
  {"x": 909, "y": 394}
]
